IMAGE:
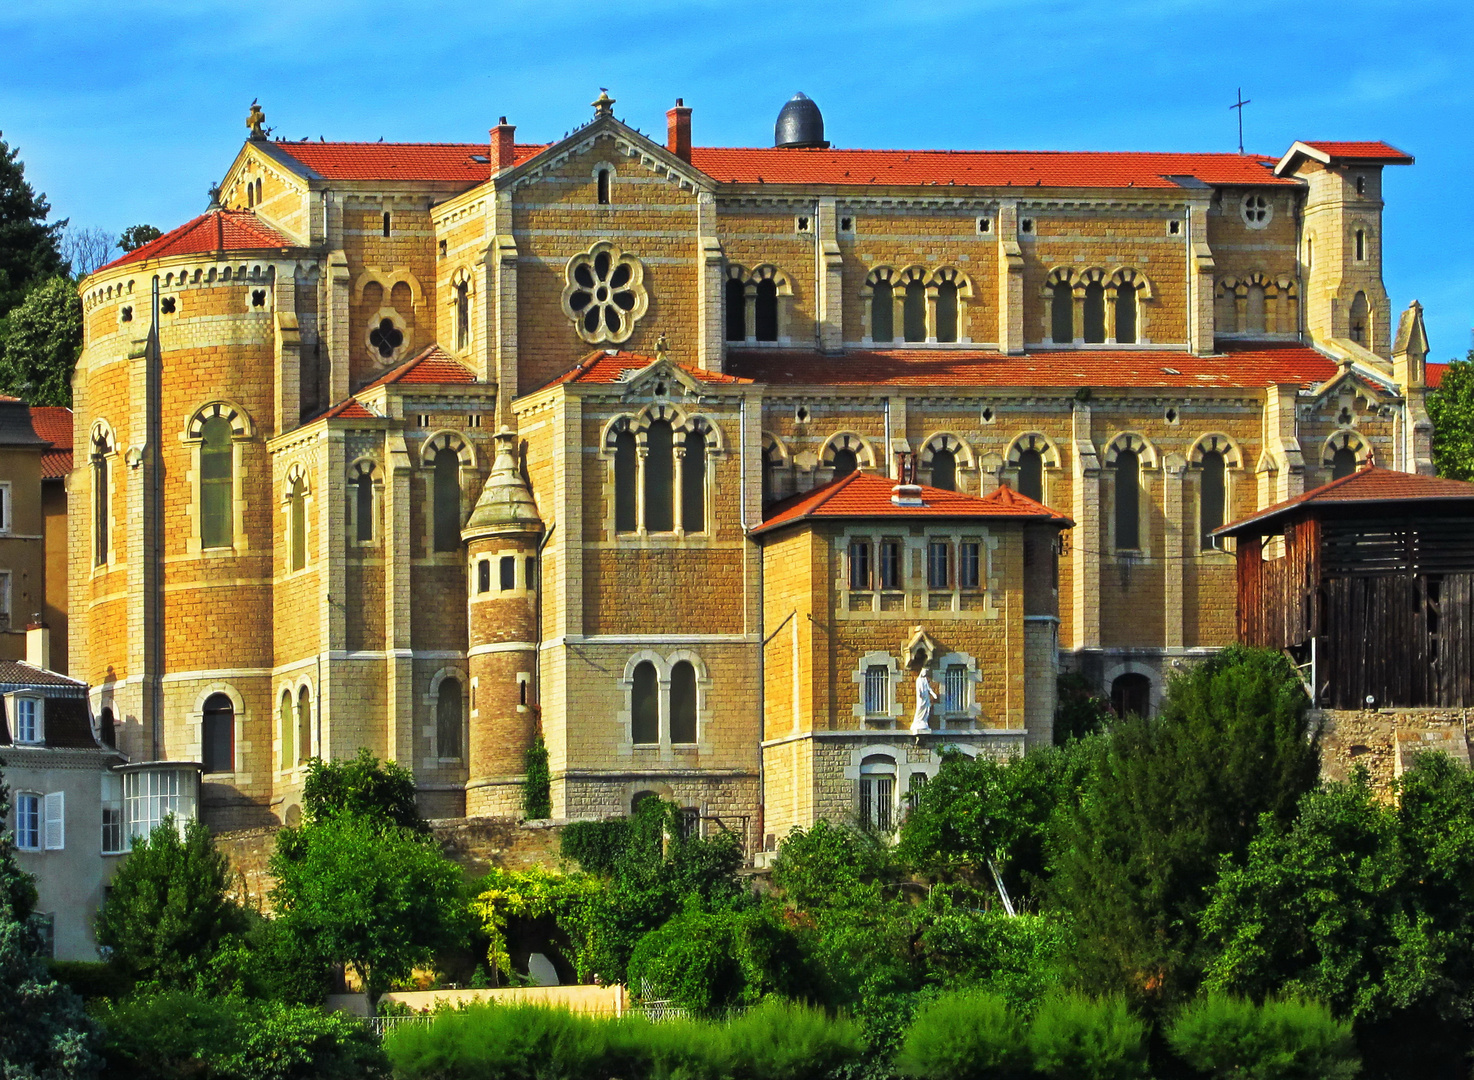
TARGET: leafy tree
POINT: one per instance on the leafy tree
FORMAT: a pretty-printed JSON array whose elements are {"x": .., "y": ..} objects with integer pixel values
[
  {"x": 169, "y": 909},
  {"x": 135, "y": 236},
  {"x": 375, "y": 896},
  {"x": 1451, "y": 408},
  {"x": 362, "y": 786},
  {"x": 44, "y": 1032},
  {"x": 1079, "y": 710},
  {"x": 537, "y": 799},
  {"x": 30, "y": 249},
  {"x": 529, "y": 895},
  {"x": 966, "y": 947},
  {"x": 40, "y": 341},
  {"x": 1167, "y": 798}
]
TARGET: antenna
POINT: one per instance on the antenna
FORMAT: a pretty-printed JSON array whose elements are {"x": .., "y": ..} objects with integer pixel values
[{"x": 1239, "y": 105}]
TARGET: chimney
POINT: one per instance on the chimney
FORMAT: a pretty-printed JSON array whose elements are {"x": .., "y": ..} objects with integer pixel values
[
  {"x": 502, "y": 147},
  {"x": 678, "y": 130},
  {"x": 38, "y": 645}
]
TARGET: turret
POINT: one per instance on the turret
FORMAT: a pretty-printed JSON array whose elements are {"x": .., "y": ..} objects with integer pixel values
[{"x": 502, "y": 538}]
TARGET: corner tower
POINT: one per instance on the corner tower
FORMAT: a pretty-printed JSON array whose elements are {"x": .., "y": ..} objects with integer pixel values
[{"x": 502, "y": 538}]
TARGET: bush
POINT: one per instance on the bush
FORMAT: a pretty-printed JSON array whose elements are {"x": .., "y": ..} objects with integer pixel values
[
  {"x": 1081, "y": 1038},
  {"x": 1290, "y": 1039},
  {"x": 91, "y": 979},
  {"x": 964, "y": 1036},
  {"x": 1019, "y": 957}
]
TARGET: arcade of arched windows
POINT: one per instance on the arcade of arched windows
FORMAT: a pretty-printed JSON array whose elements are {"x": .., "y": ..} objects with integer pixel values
[
  {"x": 1255, "y": 304},
  {"x": 913, "y": 305},
  {"x": 660, "y": 472},
  {"x": 1096, "y": 307},
  {"x": 756, "y": 305}
]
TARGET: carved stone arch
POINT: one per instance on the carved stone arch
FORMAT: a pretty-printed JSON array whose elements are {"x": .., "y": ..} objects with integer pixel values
[
  {"x": 237, "y": 701},
  {"x": 617, "y": 426},
  {"x": 953, "y": 276},
  {"x": 448, "y": 439},
  {"x": 1129, "y": 275},
  {"x": 848, "y": 440},
  {"x": 450, "y": 671},
  {"x": 241, "y": 426},
  {"x": 1058, "y": 275},
  {"x": 878, "y": 274},
  {"x": 102, "y": 432},
  {"x": 769, "y": 272},
  {"x": 692, "y": 658},
  {"x": 365, "y": 466},
  {"x": 659, "y": 410},
  {"x": 1033, "y": 440},
  {"x": 1216, "y": 441},
  {"x": 948, "y": 440},
  {"x": 386, "y": 280},
  {"x": 1347, "y": 440},
  {"x": 716, "y": 442},
  {"x": 907, "y": 274},
  {"x": 297, "y": 474},
  {"x": 462, "y": 275},
  {"x": 738, "y": 272},
  {"x": 776, "y": 450},
  {"x": 1131, "y": 440},
  {"x": 662, "y": 667},
  {"x": 1091, "y": 275}
]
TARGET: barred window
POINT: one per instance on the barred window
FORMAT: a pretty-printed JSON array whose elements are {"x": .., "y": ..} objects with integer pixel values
[
  {"x": 860, "y": 565},
  {"x": 915, "y": 789},
  {"x": 878, "y": 690},
  {"x": 877, "y": 793},
  {"x": 969, "y": 565},
  {"x": 954, "y": 689},
  {"x": 938, "y": 565}
]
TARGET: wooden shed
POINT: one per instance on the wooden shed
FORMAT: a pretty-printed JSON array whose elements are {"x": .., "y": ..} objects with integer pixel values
[{"x": 1368, "y": 582}]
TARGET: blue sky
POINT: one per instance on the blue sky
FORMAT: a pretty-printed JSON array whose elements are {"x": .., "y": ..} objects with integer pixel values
[{"x": 125, "y": 112}]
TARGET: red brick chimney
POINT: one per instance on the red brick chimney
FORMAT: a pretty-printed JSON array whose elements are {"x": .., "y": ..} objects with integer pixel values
[
  {"x": 678, "y": 130},
  {"x": 503, "y": 150}
]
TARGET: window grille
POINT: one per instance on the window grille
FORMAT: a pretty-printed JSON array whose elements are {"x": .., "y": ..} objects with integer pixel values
[
  {"x": 969, "y": 565},
  {"x": 954, "y": 690},
  {"x": 916, "y": 787},
  {"x": 938, "y": 565},
  {"x": 877, "y": 690},
  {"x": 876, "y": 796}
]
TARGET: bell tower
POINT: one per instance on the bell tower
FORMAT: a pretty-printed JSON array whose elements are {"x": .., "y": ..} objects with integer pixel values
[{"x": 502, "y": 538}]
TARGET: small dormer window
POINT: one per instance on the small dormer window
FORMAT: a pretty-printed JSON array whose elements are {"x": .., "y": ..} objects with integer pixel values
[{"x": 29, "y": 720}]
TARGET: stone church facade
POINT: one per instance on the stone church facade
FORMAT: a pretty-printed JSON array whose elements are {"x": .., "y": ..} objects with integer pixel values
[{"x": 427, "y": 447}]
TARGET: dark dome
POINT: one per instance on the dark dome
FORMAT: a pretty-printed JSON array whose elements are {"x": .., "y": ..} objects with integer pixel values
[{"x": 800, "y": 124}]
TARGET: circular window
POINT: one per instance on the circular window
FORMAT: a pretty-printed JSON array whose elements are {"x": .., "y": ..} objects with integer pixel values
[
  {"x": 605, "y": 295},
  {"x": 386, "y": 335},
  {"x": 1256, "y": 211}
]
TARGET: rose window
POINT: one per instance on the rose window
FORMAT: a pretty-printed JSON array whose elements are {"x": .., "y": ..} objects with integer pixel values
[
  {"x": 605, "y": 295},
  {"x": 386, "y": 337}
]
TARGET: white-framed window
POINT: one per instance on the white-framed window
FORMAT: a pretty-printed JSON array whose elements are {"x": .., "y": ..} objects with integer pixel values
[
  {"x": 152, "y": 794},
  {"x": 113, "y": 838},
  {"x": 878, "y": 693},
  {"x": 5, "y": 525},
  {"x": 28, "y": 821},
  {"x": 878, "y": 792},
  {"x": 30, "y": 719}
]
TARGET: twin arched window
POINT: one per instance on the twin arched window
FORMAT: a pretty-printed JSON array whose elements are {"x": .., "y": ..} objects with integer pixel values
[
  {"x": 296, "y": 728},
  {"x": 645, "y": 704},
  {"x": 751, "y": 303},
  {"x": 667, "y": 452}
]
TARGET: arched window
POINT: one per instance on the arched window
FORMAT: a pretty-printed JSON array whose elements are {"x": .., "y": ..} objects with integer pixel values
[
  {"x": 1031, "y": 475},
  {"x": 947, "y": 311},
  {"x": 1131, "y": 695},
  {"x": 645, "y": 705},
  {"x": 882, "y": 312},
  {"x": 1062, "y": 314},
  {"x": 304, "y": 725},
  {"x": 1094, "y": 315},
  {"x": 944, "y": 470},
  {"x": 1254, "y": 309},
  {"x": 913, "y": 312},
  {"x": 659, "y": 474},
  {"x": 1343, "y": 463},
  {"x": 288, "y": 728},
  {"x": 218, "y": 737},
  {"x": 447, "y": 500},
  {"x": 448, "y": 719},
  {"x": 845, "y": 462},
  {"x": 1360, "y": 318},
  {"x": 683, "y": 703},
  {"x": 463, "y": 314},
  {"x": 736, "y": 314},
  {"x": 1211, "y": 498},
  {"x": 765, "y": 311},
  {"x": 877, "y": 792},
  {"x": 1128, "y": 501},
  {"x": 625, "y": 516},
  {"x": 363, "y": 507},
  {"x": 1125, "y": 314},
  {"x": 217, "y": 481},
  {"x": 387, "y": 221},
  {"x": 297, "y": 523},
  {"x": 100, "y": 500},
  {"x": 603, "y": 181},
  {"x": 693, "y": 483},
  {"x": 640, "y": 798}
]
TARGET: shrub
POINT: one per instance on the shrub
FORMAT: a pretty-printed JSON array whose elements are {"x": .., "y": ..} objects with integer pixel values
[
  {"x": 537, "y": 798},
  {"x": 1083, "y": 1038},
  {"x": 964, "y": 1036},
  {"x": 780, "y": 1040},
  {"x": 1019, "y": 957},
  {"x": 90, "y": 979},
  {"x": 1289, "y": 1039}
]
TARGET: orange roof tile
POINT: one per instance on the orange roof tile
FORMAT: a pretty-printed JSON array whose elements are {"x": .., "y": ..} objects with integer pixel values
[
  {"x": 453, "y": 162},
  {"x": 979, "y": 168},
  {"x": 865, "y": 495},
  {"x": 1369, "y": 485},
  {"x": 54, "y": 424},
  {"x": 214, "y": 230},
  {"x": 615, "y": 366},
  {"x": 348, "y": 409},
  {"x": 1251, "y": 366},
  {"x": 1361, "y": 151},
  {"x": 431, "y": 366},
  {"x": 1433, "y": 375}
]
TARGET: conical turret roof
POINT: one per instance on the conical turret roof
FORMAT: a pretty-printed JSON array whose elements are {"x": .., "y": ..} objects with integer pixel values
[{"x": 505, "y": 504}]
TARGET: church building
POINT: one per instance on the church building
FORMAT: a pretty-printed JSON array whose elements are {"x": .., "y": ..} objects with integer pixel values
[{"x": 692, "y": 459}]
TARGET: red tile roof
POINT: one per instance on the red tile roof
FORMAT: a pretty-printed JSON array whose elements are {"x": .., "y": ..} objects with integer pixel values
[
  {"x": 1433, "y": 375},
  {"x": 452, "y": 162},
  {"x": 431, "y": 366},
  {"x": 54, "y": 424},
  {"x": 1369, "y": 485},
  {"x": 214, "y": 230},
  {"x": 978, "y": 168},
  {"x": 1247, "y": 367},
  {"x": 865, "y": 495},
  {"x": 615, "y": 366},
  {"x": 1360, "y": 151},
  {"x": 348, "y": 409}
]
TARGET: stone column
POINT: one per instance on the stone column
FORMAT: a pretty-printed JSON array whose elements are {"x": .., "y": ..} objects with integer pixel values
[
  {"x": 1086, "y": 540},
  {"x": 1174, "y": 549}
]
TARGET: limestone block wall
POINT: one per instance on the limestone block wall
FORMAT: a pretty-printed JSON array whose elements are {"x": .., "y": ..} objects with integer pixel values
[{"x": 1386, "y": 741}]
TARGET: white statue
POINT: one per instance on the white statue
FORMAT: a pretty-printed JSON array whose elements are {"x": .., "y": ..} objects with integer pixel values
[{"x": 926, "y": 693}]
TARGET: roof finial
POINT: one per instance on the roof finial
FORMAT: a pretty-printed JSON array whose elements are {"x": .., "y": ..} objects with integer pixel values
[
  {"x": 256, "y": 122},
  {"x": 603, "y": 104},
  {"x": 214, "y": 198}
]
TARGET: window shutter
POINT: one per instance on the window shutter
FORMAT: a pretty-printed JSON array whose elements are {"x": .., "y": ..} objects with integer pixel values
[{"x": 55, "y": 820}]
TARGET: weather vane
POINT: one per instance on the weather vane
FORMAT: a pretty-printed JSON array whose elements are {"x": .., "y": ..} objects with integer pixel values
[{"x": 1239, "y": 105}]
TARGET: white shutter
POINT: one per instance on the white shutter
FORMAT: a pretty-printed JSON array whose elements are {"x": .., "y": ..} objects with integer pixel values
[{"x": 55, "y": 820}]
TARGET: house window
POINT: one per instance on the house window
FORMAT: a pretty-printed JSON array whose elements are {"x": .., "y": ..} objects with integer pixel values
[
  {"x": 297, "y": 520},
  {"x": 151, "y": 795},
  {"x": 448, "y": 719},
  {"x": 938, "y": 564},
  {"x": 882, "y": 313},
  {"x": 913, "y": 312},
  {"x": 890, "y": 564},
  {"x": 463, "y": 314},
  {"x": 659, "y": 470},
  {"x": 483, "y": 575},
  {"x": 944, "y": 470},
  {"x": 286, "y": 720},
  {"x": 860, "y": 565},
  {"x": 28, "y": 822},
  {"x": 100, "y": 501},
  {"x": 56, "y": 821},
  {"x": 683, "y": 703},
  {"x": 645, "y": 705},
  {"x": 1062, "y": 314},
  {"x": 947, "y": 311},
  {"x": 447, "y": 483},
  {"x": 218, "y": 735},
  {"x": 507, "y": 572},
  {"x": 878, "y": 694},
  {"x": 217, "y": 480},
  {"x": 625, "y": 516},
  {"x": 693, "y": 483},
  {"x": 736, "y": 313},
  {"x": 969, "y": 565},
  {"x": 1125, "y": 314},
  {"x": 877, "y": 792},
  {"x": 845, "y": 462},
  {"x": 304, "y": 725},
  {"x": 765, "y": 311},
  {"x": 112, "y": 814},
  {"x": 1343, "y": 463},
  {"x": 1128, "y": 501},
  {"x": 955, "y": 686},
  {"x": 28, "y": 725},
  {"x": 1211, "y": 499},
  {"x": 1031, "y": 475},
  {"x": 1094, "y": 313}
]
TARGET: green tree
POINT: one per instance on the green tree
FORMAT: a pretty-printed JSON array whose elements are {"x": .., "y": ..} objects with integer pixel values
[
  {"x": 40, "y": 341},
  {"x": 44, "y": 1032},
  {"x": 1167, "y": 798},
  {"x": 135, "y": 236},
  {"x": 378, "y": 897},
  {"x": 362, "y": 786},
  {"x": 1451, "y": 408},
  {"x": 30, "y": 249},
  {"x": 1079, "y": 709},
  {"x": 169, "y": 909},
  {"x": 537, "y": 797}
]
